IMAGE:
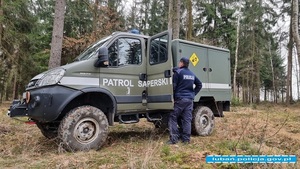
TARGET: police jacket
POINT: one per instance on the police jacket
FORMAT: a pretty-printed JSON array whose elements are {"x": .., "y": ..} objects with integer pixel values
[{"x": 183, "y": 83}]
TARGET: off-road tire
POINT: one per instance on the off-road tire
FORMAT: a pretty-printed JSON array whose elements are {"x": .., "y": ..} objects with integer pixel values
[
  {"x": 83, "y": 128},
  {"x": 203, "y": 121},
  {"x": 49, "y": 130}
]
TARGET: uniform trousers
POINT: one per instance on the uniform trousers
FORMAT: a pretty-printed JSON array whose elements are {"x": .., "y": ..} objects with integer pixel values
[{"x": 183, "y": 108}]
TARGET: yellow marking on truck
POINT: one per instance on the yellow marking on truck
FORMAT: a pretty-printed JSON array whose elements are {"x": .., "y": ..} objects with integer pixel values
[{"x": 194, "y": 59}]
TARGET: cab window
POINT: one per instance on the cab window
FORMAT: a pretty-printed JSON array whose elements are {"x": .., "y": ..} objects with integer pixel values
[
  {"x": 125, "y": 51},
  {"x": 158, "y": 50}
]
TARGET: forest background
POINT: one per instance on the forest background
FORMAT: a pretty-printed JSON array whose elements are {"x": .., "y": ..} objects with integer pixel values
[
  {"x": 262, "y": 36},
  {"x": 263, "y": 39}
]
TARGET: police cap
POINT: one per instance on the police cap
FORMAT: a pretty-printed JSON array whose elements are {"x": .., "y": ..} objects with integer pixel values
[{"x": 185, "y": 61}]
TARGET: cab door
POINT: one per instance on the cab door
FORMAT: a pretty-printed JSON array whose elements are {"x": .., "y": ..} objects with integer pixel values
[
  {"x": 122, "y": 77},
  {"x": 159, "y": 72}
]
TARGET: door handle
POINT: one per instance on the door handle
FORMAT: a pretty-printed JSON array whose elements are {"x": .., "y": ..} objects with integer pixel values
[
  {"x": 144, "y": 98},
  {"x": 167, "y": 73},
  {"x": 209, "y": 69},
  {"x": 143, "y": 76}
]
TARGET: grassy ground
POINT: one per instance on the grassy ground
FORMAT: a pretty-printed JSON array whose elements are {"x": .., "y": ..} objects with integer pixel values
[{"x": 265, "y": 129}]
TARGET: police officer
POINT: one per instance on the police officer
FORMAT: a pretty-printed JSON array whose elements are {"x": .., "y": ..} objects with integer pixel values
[{"x": 184, "y": 93}]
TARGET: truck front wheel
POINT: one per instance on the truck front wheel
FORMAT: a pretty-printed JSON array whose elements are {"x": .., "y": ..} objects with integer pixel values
[
  {"x": 203, "y": 121},
  {"x": 83, "y": 128}
]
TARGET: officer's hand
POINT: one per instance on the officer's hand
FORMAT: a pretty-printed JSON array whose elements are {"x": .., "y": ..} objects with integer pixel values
[{"x": 175, "y": 68}]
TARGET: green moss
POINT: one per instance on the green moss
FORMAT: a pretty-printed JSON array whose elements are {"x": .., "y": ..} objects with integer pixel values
[{"x": 165, "y": 150}]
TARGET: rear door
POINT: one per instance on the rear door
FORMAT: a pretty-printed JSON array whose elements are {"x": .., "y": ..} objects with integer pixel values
[
  {"x": 159, "y": 72},
  {"x": 219, "y": 74}
]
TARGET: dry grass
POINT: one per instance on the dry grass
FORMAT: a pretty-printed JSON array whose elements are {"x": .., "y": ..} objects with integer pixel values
[{"x": 267, "y": 129}]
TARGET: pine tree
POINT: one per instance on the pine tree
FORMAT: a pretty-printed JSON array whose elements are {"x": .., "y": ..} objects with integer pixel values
[{"x": 57, "y": 34}]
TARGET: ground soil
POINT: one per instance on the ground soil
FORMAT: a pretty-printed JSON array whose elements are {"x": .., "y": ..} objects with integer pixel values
[{"x": 246, "y": 130}]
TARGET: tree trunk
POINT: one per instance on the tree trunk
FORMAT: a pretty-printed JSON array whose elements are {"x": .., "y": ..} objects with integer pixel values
[
  {"x": 1, "y": 27},
  {"x": 265, "y": 94},
  {"x": 146, "y": 27},
  {"x": 295, "y": 25},
  {"x": 235, "y": 94},
  {"x": 289, "y": 64},
  {"x": 252, "y": 82},
  {"x": 257, "y": 63},
  {"x": 57, "y": 34},
  {"x": 15, "y": 95},
  {"x": 1, "y": 33},
  {"x": 176, "y": 23},
  {"x": 95, "y": 17},
  {"x": 272, "y": 68},
  {"x": 133, "y": 16},
  {"x": 174, "y": 18},
  {"x": 171, "y": 13},
  {"x": 297, "y": 78},
  {"x": 189, "y": 20}
]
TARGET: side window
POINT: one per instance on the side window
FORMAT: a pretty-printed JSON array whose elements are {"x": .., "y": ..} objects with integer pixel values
[
  {"x": 158, "y": 50},
  {"x": 125, "y": 51}
]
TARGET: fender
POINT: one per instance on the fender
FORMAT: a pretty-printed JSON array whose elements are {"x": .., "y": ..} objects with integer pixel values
[{"x": 111, "y": 114}]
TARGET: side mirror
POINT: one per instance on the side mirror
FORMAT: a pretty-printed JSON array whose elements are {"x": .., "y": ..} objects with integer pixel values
[{"x": 102, "y": 60}]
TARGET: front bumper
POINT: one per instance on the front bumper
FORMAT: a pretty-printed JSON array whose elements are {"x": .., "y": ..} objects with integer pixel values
[
  {"x": 18, "y": 108},
  {"x": 45, "y": 104}
]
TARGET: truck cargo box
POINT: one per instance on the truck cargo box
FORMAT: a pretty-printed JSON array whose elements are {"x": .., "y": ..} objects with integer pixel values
[{"x": 210, "y": 64}]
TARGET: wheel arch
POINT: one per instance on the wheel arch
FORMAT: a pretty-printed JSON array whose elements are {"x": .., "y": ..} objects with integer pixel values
[
  {"x": 215, "y": 106},
  {"x": 97, "y": 97}
]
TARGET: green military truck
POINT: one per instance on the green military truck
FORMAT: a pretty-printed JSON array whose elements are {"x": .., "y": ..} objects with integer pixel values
[{"x": 122, "y": 78}]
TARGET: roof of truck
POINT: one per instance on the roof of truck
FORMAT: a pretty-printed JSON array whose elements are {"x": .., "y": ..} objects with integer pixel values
[
  {"x": 200, "y": 44},
  {"x": 131, "y": 34}
]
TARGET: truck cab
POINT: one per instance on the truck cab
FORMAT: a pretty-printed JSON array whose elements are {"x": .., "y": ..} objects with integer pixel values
[{"x": 122, "y": 78}]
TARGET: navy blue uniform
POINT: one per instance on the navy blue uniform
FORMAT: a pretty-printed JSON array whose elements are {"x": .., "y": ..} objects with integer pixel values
[{"x": 184, "y": 93}]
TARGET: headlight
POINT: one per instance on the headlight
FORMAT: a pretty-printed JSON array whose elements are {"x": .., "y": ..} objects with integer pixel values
[{"x": 51, "y": 77}]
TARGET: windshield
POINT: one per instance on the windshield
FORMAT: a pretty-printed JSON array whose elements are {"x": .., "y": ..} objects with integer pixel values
[{"x": 91, "y": 50}]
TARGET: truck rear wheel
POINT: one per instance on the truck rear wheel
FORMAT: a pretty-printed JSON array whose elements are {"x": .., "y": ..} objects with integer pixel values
[
  {"x": 203, "y": 121},
  {"x": 83, "y": 128}
]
